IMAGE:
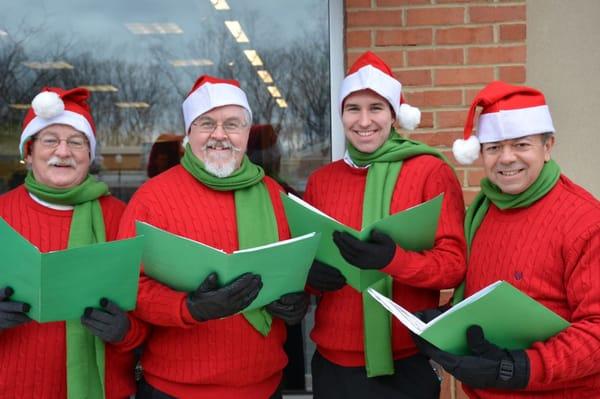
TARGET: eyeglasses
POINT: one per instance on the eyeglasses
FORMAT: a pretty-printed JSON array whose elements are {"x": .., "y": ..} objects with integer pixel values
[
  {"x": 208, "y": 126},
  {"x": 75, "y": 143}
]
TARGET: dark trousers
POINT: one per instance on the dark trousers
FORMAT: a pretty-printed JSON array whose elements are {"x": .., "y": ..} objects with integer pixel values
[
  {"x": 414, "y": 378},
  {"x": 147, "y": 391}
]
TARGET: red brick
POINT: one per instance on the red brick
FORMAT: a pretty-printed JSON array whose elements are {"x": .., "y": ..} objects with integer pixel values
[
  {"x": 393, "y": 58},
  {"x": 463, "y": 76},
  {"x": 512, "y": 74},
  {"x": 435, "y": 16},
  {"x": 438, "y": 139},
  {"x": 426, "y": 120},
  {"x": 468, "y": 196},
  {"x": 373, "y": 18},
  {"x": 474, "y": 176},
  {"x": 392, "y": 3},
  {"x": 483, "y": 34},
  {"x": 461, "y": 1},
  {"x": 497, "y": 13},
  {"x": 414, "y": 77},
  {"x": 433, "y": 98},
  {"x": 358, "y": 38},
  {"x": 357, "y": 3},
  {"x": 471, "y": 93},
  {"x": 496, "y": 55},
  {"x": 452, "y": 56},
  {"x": 513, "y": 33},
  {"x": 451, "y": 119},
  {"x": 403, "y": 37}
]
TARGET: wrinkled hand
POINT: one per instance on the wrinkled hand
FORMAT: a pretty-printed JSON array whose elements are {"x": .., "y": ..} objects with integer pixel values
[
  {"x": 323, "y": 277},
  {"x": 110, "y": 323},
  {"x": 376, "y": 253},
  {"x": 210, "y": 302},
  {"x": 488, "y": 367},
  {"x": 12, "y": 313},
  {"x": 290, "y": 308}
]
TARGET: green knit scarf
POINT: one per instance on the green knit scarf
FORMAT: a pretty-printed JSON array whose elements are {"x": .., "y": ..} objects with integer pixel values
[
  {"x": 385, "y": 164},
  {"x": 547, "y": 179},
  {"x": 85, "y": 352},
  {"x": 254, "y": 212}
]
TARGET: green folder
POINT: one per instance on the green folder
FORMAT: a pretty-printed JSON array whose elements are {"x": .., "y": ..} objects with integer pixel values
[
  {"x": 59, "y": 285},
  {"x": 182, "y": 263},
  {"x": 510, "y": 319},
  {"x": 413, "y": 229}
]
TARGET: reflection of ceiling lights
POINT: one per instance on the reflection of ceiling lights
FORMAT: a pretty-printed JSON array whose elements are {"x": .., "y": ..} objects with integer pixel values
[
  {"x": 19, "y": 106},
  {"x": 253, "y": 57},
  {"x": 101, "y": 88},
  {"x": 132, "y": 105},
  {"x": 191, "y": 62},
  {"x": 3, "y": 33},
  {"x": 265, "y": 76},
  {"x": 281, "y": 102},
  {"x": 155, "y": 28},
  {"x": 274, "y": 91},
  {"x": 236, "y": 30},
  {"x": 48, "y": 65},
  {"x": 220, "y": 4}
]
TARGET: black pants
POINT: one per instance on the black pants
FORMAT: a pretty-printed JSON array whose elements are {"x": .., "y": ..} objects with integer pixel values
[
  {"x": 413, "y": 379},
  {"x": 147, "y": 391}
]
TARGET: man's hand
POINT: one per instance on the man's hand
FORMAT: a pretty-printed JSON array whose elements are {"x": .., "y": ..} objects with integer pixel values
[
  {"x": 429, "y": 314},
  {"x": 290, "y": 308},
  {"x": 210, "y": 302},
  {"x": 12, "y": 313},
  {"x": 323, "y": 277},
  {"x": 110, "y": 323},
  {"x": 376, "y": 253},
  {"x": 488, "y": 367}
]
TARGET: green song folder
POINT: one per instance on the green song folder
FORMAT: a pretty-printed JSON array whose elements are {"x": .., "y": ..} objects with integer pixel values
[
  {"x": 413, "y": 229},
  {"x": 510, "y": 319},
  {"x": 59, "y": 285},
  {"x": 182, "y": 263}
]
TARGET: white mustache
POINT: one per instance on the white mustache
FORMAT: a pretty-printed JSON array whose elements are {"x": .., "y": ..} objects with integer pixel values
[
  {"x": 224, "y": 144},
  {"x": 56, "y": 161}
]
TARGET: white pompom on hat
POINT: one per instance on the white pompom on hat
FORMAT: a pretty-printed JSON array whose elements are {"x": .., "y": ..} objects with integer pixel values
[
  {"x": 54, "y": 105},
  {"x": 210, "y": 92},
  {"x": 508, "y": 112},
  {"x": 370, "y": 72}
]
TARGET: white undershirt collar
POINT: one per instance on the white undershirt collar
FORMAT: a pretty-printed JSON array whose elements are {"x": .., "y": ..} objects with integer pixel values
[{"x": 49, "y": 205}]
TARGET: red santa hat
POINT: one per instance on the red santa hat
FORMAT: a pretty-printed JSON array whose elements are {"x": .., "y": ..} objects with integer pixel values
[
  {"x": 508, "y": 112},
  {"x": 370, "y": 72},
  {"x": 209, "y": 92},
  {"x": 58, "y": 106}
]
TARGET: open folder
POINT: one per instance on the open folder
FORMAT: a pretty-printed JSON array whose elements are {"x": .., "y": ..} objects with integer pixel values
[
  {"x": 182, "y": 263},
  {"x": 413, "y": 229},
  {"x": 59, "y": 285},
  {"x": 509, "y": 318}
]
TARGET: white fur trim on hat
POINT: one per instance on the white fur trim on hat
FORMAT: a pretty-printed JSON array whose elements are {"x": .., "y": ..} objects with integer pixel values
[
  {"x": 466, "y": 151},
  {"x": 73, "y": 119},
  {"x": 514, "y": 123},
  {"x": 409, "y": 117},
  {"x": 209, "y": 96},
  {"x": 47, "y": 104}
]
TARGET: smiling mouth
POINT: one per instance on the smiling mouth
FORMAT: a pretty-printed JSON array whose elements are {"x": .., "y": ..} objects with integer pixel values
[
  {"x": 365, "y": 133},
  {"x": 510, "y": 173}
]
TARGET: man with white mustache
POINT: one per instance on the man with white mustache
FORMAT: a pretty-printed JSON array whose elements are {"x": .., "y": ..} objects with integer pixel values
[
  {"x": 61, "y": 205},
  {"x": 533, "y": 227},
  {"x": 201, "y": 346}
]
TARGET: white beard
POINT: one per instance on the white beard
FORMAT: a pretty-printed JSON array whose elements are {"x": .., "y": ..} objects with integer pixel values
[
  {"x": 220, "y": 165},
  {"x": 220, "y": 169}
]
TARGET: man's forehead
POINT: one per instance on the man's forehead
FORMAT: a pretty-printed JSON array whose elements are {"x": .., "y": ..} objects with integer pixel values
[{"x": 514, "y": 140}]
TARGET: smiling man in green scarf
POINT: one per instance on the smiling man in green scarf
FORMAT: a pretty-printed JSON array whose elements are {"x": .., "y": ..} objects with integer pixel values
[
  {"x": 62, "y": 206},
  {"x": 533, "y": 227},
  {"x": 203, "y": 344}
]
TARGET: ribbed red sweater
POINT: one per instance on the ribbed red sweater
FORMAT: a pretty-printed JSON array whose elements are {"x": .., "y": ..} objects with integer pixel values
[
  {"x": 33, "y": 356},
  {"x": 550, "y": 251},
  {"x": 224, "y": 358},
  {"x": 337, "y": 189}
]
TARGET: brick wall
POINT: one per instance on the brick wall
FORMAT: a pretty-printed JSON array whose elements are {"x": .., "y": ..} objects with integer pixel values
[{"x": 443, "y": 52}]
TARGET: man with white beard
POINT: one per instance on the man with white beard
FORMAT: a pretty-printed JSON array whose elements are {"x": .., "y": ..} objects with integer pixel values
[{"x": 201, "y": 346}]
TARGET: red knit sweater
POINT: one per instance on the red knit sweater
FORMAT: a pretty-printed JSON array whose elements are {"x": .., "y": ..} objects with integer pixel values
[
  {"x": 550, "y": 251},
  {"x": 337, "y": 189},
  {"x": 33, "y": 355},
  {"x": 224, "y": 358}
]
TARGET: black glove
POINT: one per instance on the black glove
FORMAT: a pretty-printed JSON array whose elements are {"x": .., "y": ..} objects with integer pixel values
[
  {"x": 12, "y": 313},
  {"x": 429, "y": 314},
  {"x": 376, "y": 253},
  {"x": 110, "y": 323},
  {"x": 323, "y": 277},
  {"x": 211, "y": 302},
  {"x": 290, "y": 308},
  {"x": 488, "y": 367}
]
